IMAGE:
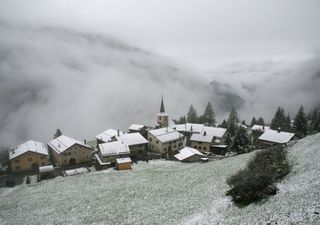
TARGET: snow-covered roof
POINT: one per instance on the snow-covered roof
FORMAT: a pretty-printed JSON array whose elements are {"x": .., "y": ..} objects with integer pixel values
[
  {"x": 123, "y": 160},
  {"x": 136, "y": 127},
  {"x": 44, "y": 169},
  {"x": 76, "y": 171},
  {"x": 114, "y": 148},
  {"x": 132, "y": 139},
  {"x": 260, "y": 128},
  {"x": 201, "y": 137},
  {"x": 215, "y": 131},
  {"x": 166, "y": 134},
  {"x": 190, "y": 127},
  {"x": 186, "y": 152},
  {"x": 276, "y": 137},
  {"x": 107, "y": 135},
  {"x": 62, "y": 143},
  {"x": 219, "y": 146},
  {"x": 101, "y": 163},
  {"x": 32, "y": 146}
]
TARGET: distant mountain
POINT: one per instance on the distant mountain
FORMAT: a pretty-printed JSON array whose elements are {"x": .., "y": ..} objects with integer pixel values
[{"x": 83, "y": 83}]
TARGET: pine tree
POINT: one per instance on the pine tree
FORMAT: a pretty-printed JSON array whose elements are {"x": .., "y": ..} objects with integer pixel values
[
  {"x": 192, "y": 116},
  {"x": 240, "y": 142},
  {"x": 300, "y": 123},
  {"x": 280, "y": 121},
  {"x": 314, "y": 120},
  {"x": 253, "y": 121},
  {"x": 181, "y": 120},
  {"x": 57, "y": 134},
  {"x": 224, "y": 124},
  {"x": 232, "y": 121},
  {"x": 208, "y": 117},
  {"x": 260, "y": 121}
]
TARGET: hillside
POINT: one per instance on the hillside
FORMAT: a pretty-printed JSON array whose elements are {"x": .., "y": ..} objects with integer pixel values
[{"x": 165, "y": 192}]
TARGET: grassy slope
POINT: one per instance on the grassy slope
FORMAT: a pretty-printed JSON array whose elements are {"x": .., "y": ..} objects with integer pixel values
[{"x": 164, "y": 192}]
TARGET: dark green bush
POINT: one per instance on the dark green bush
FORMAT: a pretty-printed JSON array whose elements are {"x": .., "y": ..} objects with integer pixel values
[{"x": 256, "y": 181}]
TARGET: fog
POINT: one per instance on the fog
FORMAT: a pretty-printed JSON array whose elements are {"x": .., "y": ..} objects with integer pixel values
[{"x": 86, "y": 66}]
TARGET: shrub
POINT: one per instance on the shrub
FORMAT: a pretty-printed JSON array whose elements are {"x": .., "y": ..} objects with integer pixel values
[{"x": 256, "y": 181}]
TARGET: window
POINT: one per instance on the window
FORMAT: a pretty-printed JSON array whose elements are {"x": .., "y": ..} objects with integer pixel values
[
  {"x": 179, "y": 144},
  {"x": 157, "y": 142},
  {"x": 65, "y": 161},
  {"x": 29, "y": 159},
  {"x": 17, "y": 161},
  {"x": 174, "y": 146},
  {"x": 64, "y": 154},
  {"x": 165, "y": 149},
  {"x": 204, "y": 148},
  {"x": 69, "y": 153},
  {"x": 175, "y": 142},
  {"x": 42, "y": 157},
  {"x": 195, "y": 147},
  {"x": 18, "y": 168},
  {"x": 87, "y": 157},
  {"x": 199, "y": 147}
]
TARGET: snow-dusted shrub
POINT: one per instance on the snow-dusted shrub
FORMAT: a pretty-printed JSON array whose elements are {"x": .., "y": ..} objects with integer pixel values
[{"x": 256, "y": 181}]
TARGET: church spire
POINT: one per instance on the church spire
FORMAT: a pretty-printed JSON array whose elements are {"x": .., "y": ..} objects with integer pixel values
[{"x": 162, "y": 105}]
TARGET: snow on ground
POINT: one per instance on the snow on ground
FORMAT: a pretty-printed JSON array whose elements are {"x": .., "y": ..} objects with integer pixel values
[{"x": 165, "y": 192}]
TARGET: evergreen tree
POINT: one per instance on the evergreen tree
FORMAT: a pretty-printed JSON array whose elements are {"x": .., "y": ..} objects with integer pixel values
[
  {"x": 182, "y": 120},
  {"x": 314, "y": 120},
  {"x": 253, "y": 121},
  {"x": 280, "y": 121},
  {"x": 240, "y": 142},
  {"x": 243, "y": 122},
  {"x": 300, "y": 123},
  {"x": 57, "y": 134},
  {"x": 208, "y": 117},
  {"x": 260, "y": 121},
  {"x": 192, "y": 116},
  {"x": 224, "y": 124},
  {"x": 232, "y": 121}
]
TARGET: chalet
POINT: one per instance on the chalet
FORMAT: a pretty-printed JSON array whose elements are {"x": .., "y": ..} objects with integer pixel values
[
  {"x": 67, "y": 151},
  {"x": 108, "y": 135},
  {"x": 165, "y": 141},
  {"x": 275, "y": 137},
  {"x": 188, "y": 154},
  {"x": 28, "y": 156},
  {"x": 110, "y": 151},
  {"x": 208, "y": 137},
  {"x": 123, "y": 163},
  {"x": 137, "y": 144}
]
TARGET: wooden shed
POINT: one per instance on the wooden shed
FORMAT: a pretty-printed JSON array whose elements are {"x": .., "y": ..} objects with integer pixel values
[{"x": 123, "y": 163}]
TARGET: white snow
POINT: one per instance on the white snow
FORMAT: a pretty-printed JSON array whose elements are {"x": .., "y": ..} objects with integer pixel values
[
  {"x": 114, "y": 148},
  {"x": 276, "y": 137},
  {"x": 190, "y": 127},
  {"x": 166, "y": 192},
  {"x": 202, "y": 138},
  {"x": 132, "y": 139},
  {"x": 123, "y": 160},
  {"x": 136, "y": 127},
  {"x": 44, "y": 169},
  {"x": 186, "y": 152},
  {"x": 166, "y": 134},
  {"x": 32, "y": 146},
  {"x": 260, "y": 128},
  {"x": 62, "y": 143},
  {"x": 107, "y": 135}
]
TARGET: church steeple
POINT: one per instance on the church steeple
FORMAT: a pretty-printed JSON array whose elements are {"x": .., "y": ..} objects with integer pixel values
[{"x": 162, "y": 110}]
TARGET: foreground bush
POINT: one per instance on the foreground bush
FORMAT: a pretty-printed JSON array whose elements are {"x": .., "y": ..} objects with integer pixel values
[{"x": 256, "y": 181}]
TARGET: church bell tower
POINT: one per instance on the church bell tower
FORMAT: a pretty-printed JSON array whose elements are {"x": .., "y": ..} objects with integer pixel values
[{"x": 162, "y": 117}]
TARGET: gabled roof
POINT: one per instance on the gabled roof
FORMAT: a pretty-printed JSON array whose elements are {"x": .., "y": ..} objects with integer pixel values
[
  {"x": 62, "y": 143},
  {"x": 260, "y": 128},
  {"x": 29, "y": 146},
  {"x": 136, "y": 127},
  {"x": 114, "y": 148},
  {"x": 203, "y": 138},
  {"x": 276, "y": 137},
  {"x": 107, "y": 135},
  {"x": 190, "y": 127},
  {"x": 166, "y": 134},
  {"x": 132, "y": 139},
  {"x": 186, "y": 153},
  {"x": 215, "y": 131}
]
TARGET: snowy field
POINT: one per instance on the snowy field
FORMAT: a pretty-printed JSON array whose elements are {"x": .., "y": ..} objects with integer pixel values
[{"x": 164, "y": 192}]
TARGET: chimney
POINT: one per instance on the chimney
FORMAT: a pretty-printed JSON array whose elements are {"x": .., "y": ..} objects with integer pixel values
[
  {"x": 118, "y": 132},
  {"x": 85, "y": 141},
  {"x": 279, "y": 129},
  {"x": 205, "y": 133}
]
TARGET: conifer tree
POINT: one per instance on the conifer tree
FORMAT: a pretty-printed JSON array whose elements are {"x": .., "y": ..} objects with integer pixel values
[
  {"x": 232, "y": 121},
  {"x": 280, "y": 121},
  {"x": 260, "y": 121},
  {"x": 192, "y": 116},
  {"x": 208, "y": 117},
  {"x": 57, "y": 134},
  {"x": 224, "y": 124},
  {"x": 253, "y": 121},
  {"x": 314, "y": 121},
  {"x": 300, "y": 123},
  {"x": 240, "y": 142}
]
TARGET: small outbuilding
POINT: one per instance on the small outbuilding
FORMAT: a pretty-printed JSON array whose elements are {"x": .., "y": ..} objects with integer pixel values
[
  {"x": 46, "y": 172},
  {"x": 123, "y": 163},
  {"x": 276, "y": 137},
  {"x": 188, "y": 154}
]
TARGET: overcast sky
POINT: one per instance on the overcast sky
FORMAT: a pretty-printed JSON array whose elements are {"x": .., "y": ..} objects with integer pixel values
[{"x": 202, "y": 33}]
